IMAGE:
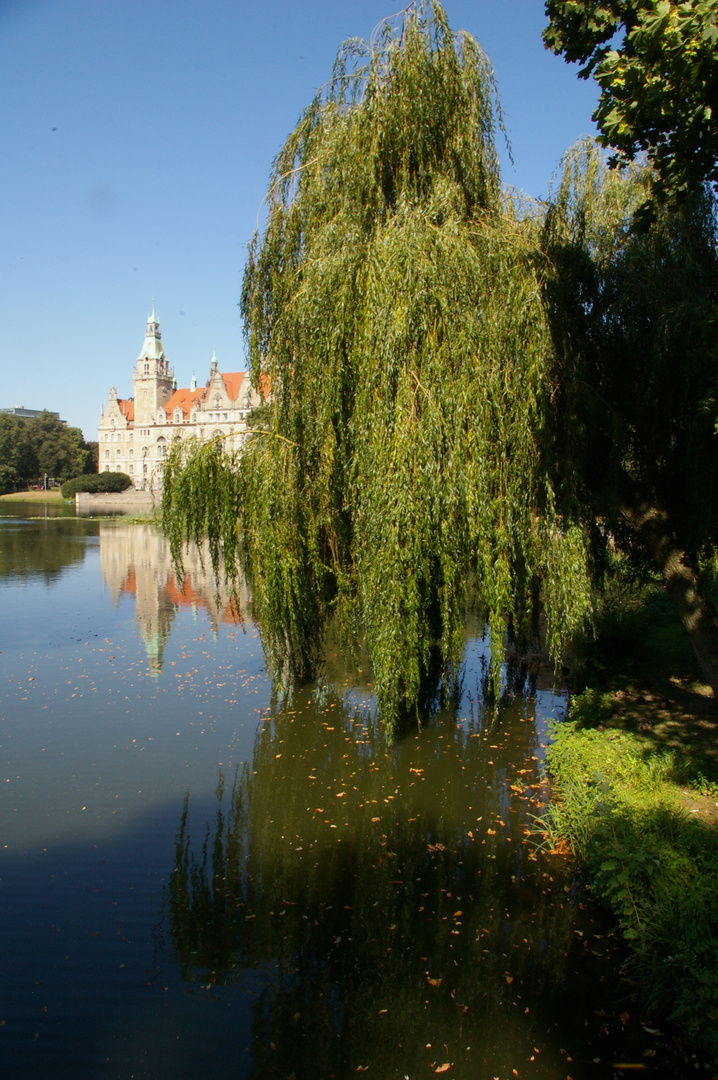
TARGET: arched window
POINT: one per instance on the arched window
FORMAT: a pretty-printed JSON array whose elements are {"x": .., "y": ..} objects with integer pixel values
[{"x": 107, "y": 453}]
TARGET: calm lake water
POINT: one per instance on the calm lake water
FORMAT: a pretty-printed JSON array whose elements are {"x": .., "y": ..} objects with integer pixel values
[{"x": 200, "y": 878}]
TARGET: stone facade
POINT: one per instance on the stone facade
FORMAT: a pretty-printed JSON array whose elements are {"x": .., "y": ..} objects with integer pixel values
[{"x": 135, "y": 434}]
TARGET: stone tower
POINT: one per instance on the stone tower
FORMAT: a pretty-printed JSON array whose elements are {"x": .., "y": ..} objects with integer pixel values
[{"x": 152, "y": 378}]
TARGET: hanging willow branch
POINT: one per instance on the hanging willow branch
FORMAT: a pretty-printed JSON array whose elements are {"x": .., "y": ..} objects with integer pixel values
[{"x": 395, "y": 306}]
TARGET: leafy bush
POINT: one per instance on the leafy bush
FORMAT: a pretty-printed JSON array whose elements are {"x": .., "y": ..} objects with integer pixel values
[{"x": 97, "y": 482}]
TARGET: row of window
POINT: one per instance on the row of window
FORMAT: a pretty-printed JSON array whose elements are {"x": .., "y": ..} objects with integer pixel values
[{"x": 208, "y": 418}]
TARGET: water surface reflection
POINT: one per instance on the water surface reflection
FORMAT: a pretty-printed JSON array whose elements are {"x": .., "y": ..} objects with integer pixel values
[
  {"x": 336, "y": 906},
  {"x": 42, "y": 547},
  {"x": 385, "y": 903},
  {"x": 136, "y": 563}
]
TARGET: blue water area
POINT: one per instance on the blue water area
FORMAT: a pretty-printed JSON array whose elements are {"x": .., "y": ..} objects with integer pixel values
[{"x": 202, "y": 875}]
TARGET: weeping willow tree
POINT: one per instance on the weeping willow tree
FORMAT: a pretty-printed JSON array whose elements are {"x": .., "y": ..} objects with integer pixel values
[{"x": 394, "y": 304}]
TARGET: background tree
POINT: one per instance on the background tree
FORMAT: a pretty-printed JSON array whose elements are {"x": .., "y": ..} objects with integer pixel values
[
  {"x": 18, "y": 456},
  {"x": 657, "y": 66},
  {"x": 32, "y": 447},
  {"x": 92, "y": 458},
  {"x": 61, "y": 454}
]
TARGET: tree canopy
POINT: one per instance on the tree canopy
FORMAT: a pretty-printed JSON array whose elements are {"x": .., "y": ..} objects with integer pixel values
[
  {"x": 657, "y": 66},
  {"x": 635, "y": 317},
  {"x": 31, "y": 447},
  {"x": 453, "y": 416}
]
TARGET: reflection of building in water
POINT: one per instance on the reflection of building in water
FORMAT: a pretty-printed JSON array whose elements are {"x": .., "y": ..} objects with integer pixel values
[{"x": 136, "y": 561}]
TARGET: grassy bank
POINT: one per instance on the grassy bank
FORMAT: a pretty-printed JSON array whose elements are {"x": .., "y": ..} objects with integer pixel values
[
  {"x": 635, "y": 785},
  {"x": 51, "y": 496}
]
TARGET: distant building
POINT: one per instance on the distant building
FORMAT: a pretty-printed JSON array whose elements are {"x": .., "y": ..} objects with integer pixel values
[
  {"x": 136, "y": 433},
  {"x": 27, "y": 414}
]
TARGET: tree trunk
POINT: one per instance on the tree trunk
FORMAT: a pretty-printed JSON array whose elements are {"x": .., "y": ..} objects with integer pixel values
[{"x": 694, "y": 611}]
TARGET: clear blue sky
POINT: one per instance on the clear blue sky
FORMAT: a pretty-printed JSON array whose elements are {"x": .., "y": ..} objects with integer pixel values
[{"x": 137, "y": 138}]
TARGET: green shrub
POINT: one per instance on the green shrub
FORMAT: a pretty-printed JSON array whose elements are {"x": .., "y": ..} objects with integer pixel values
[{"x": 97, "y": 482}]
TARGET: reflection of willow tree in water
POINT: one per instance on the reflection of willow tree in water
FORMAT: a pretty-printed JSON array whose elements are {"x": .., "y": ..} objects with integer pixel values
[
  {"x": 387, "y": 903},
  {"x": 42, "y": 550}
]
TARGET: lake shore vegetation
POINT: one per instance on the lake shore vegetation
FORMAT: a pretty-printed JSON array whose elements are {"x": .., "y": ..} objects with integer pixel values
[{"x": 634, "y": 776}]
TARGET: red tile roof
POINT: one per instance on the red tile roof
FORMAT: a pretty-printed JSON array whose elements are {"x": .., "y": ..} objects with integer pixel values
[
  {"x": 185, "y": 399},
  {"x": 233, "y": 383}
]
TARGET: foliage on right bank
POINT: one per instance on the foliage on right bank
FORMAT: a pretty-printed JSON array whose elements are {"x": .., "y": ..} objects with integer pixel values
[
  {"x": 653, "y": 863},
  {"x": 657, "y": 67}
]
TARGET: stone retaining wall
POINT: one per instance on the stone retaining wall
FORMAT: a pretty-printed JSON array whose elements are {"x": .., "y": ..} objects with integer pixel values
[{"x": 126, "y": 502}]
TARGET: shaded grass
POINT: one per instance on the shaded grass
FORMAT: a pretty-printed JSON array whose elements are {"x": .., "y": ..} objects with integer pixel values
[{"x": 635, "y": 796}]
